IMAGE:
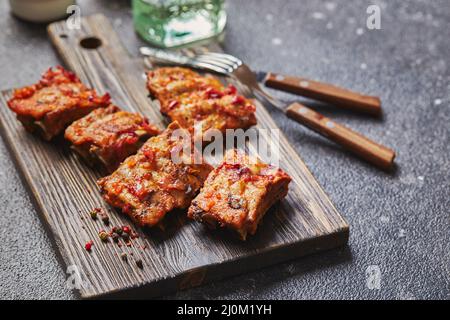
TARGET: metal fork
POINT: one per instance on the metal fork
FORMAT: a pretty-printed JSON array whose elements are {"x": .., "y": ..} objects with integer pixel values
[{"x": 232, "y": 66}]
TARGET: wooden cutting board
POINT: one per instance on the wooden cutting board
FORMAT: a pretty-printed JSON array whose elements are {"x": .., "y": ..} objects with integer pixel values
[{"x": 185, "y": 254}]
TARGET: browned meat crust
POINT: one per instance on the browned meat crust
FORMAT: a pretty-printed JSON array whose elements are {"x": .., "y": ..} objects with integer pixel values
[
  {"x": 149, "y": 184},
  {"x": 109, "y": 135},
  {"x": 238, "y": 193},
  {"x": 57, "y": 100},
  {"x": 192, "y": 99}
]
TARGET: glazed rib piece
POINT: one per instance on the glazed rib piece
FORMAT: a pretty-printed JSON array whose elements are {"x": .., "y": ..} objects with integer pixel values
[
  {"x": 57, "y": 100},
  {"x": 169, "y": 83},
  {"x": 192, "y": 99},
  {"x": 107, "y": 136},
  {"x": 238, "y": 193},
  {"x": 151, "y": 183}
]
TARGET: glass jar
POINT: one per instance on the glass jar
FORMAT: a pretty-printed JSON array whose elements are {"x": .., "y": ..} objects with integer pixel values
[{"x": 173, "y": 23}]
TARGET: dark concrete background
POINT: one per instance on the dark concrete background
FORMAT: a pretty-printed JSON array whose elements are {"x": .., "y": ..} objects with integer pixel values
[{"x": 399, "y": 222}]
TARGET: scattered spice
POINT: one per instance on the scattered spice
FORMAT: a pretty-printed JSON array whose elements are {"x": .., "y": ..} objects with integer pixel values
[
  {"x": 94, "y": 213},
  {"x": 125, "y": 236},
  {"x": 134, "y": 235},
  {"x": 117, "y": 230},
  {"x": 105, "y": 219},
  {"x": 88, "y": 245},
  {"x": 139, "y": 264},
  {"x": 126, "y": 229},
  {"x": 103, "y": 235},
  {"x": 124, "y": 257},
  {"x": 115, "y": 237},
  {"x": 115, "y": 233},
  {"x": 99, "y": 211}
]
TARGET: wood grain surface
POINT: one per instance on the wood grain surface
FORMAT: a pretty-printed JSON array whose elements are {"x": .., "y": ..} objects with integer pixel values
[{"x": 185, "y": 253}]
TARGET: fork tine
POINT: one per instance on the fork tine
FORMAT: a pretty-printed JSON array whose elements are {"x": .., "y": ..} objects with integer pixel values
[
  {"x": 219, "y": 57},
  {"x": 216, "y": 58},
  {"x": 226, "y": 65},
  {"x": 211, "y": 67},
  {"x": 223, "y": 56}
]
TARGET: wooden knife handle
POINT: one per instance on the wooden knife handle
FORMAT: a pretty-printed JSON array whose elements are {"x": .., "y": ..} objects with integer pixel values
[
  {"x": 374, "y": 153},
  {"x": 325, "y": 92}
]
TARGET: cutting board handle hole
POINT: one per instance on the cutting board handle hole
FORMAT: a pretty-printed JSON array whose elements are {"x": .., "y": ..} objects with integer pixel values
[
  {"x": 63, "y": 36},
  {"x": 90, "y": 43}
]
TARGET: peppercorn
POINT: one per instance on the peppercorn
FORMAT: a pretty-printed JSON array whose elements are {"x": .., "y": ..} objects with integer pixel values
[
  {"x": 88, "y": 246},
  {"x": 139, "y": 264},
  {"x": 115, "y": 237},
  {"x": 105, "y": 219},
  {"x": 117, "y": 230},
  {"x": 103, "y": 235},
  {"x": 93, "y": 214},
  {"x": 126, "y": 229},
  {"x": 124, "y": 257}
]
